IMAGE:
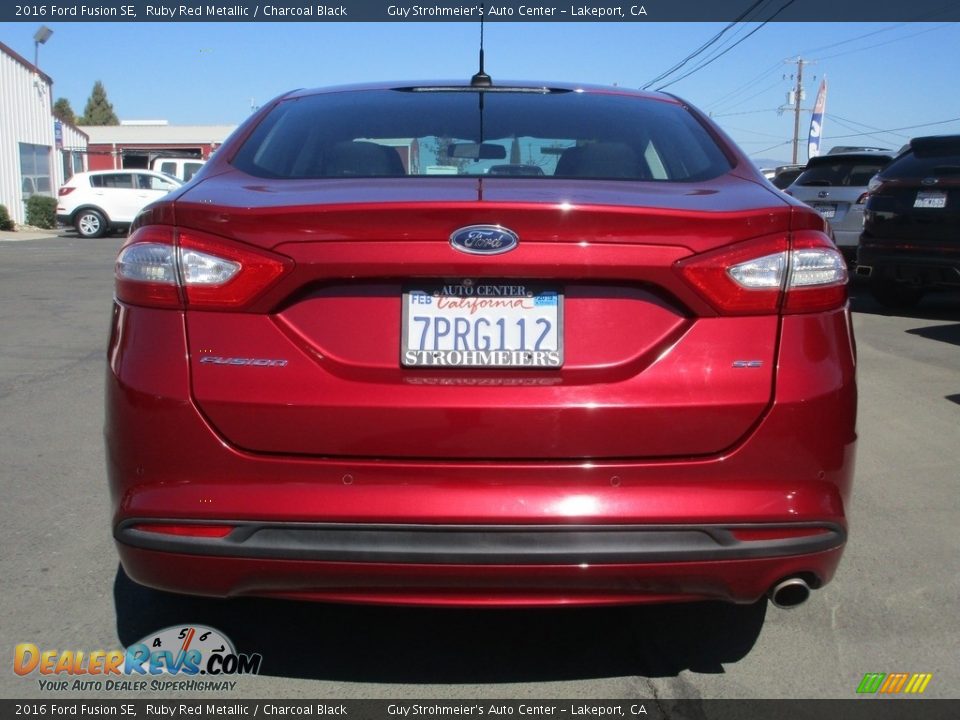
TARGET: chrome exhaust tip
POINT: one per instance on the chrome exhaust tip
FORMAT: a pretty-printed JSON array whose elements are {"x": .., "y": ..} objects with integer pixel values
[{"x": 789, "y": 593}]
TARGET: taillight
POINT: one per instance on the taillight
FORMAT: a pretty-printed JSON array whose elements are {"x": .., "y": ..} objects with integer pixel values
[
  {"x": 862, "y": 199},
  {"x": 804, "y": 273},
  {"x": 162, "y": 266},
  {"x": 65, "y": 190}
]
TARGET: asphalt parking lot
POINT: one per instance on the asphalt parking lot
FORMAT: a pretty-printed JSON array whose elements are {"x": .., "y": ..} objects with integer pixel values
[{"x": 892, "y": 607}]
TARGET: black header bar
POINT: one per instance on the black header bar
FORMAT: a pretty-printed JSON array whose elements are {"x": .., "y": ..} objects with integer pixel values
[
  {"x": 204, "y": 708},
  {"x": 633, "y": 11}
]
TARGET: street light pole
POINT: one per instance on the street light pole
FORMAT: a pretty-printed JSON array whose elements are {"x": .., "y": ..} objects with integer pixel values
[{"x": 39, "y": 38}]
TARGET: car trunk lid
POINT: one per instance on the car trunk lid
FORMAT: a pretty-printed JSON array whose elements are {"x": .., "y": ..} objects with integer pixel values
[{"x": 649, "y": 368}]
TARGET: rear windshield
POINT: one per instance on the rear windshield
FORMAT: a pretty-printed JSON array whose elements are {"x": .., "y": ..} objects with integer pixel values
[
  {"x": 842, "y": 172},
  {"x": 403, "y": 133},
  {"x": 926, "y": 163}
]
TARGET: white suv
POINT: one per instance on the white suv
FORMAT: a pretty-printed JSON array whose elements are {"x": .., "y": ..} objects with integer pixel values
[{"x": 104, "y": 200}]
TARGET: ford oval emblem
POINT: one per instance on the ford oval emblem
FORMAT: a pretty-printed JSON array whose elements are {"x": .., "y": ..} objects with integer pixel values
[{"x": 484, "y": 240}]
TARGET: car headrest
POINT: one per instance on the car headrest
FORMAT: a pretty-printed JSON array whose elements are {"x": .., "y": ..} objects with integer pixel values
[{"x": 362, "y": 159}]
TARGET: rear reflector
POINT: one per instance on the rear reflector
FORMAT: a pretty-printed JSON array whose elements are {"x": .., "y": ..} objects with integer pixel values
[
  {"x": 803, "y": 273},
  {"x": 206, "y": 531}
]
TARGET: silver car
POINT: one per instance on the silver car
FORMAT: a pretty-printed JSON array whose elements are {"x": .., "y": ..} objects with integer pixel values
[{"x": 836, "y": 186}]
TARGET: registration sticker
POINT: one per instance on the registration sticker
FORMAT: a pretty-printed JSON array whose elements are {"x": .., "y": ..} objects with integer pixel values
[{"x": 482, "y": 324}]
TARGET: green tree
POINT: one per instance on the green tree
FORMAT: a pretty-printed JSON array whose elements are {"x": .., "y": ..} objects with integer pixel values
[
  {"x": 98, "y": 110},
  {"x": 63, "y": 111}
]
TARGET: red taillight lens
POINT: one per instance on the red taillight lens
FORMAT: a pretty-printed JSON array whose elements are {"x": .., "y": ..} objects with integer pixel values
[
  {"x": 754, "y": 290},
  {"x": 804, "y": 273},
  {"x": 161, "y": 266},
  {"x": 863, "y": 198},
  {"x": 208, "y": 531},
  {"x": 65, "y": 190},
  {"x": 219, "y": 274}
]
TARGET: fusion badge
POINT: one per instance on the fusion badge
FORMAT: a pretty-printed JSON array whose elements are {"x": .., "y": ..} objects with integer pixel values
[{"x": 484, "y": 240}]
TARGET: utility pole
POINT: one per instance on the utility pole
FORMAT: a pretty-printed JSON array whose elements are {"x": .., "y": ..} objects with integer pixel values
[{"x": 797, "y": 95}]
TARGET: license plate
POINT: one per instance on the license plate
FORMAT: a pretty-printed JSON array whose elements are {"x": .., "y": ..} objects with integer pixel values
[
  {"x": 931, "y": 199},
  {"x": 828, "y": 211},
  {"x": 498, "y": 324}
]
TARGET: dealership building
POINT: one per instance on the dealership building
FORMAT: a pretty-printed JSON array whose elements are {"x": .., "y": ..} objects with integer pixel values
[
  {"x": 137, "y": 143},
  {"x": 38, "y": 153}
]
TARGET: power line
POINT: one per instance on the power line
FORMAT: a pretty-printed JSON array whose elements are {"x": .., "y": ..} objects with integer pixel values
[
  {"x": 731, "y": 47},
  {"x": 905, "y": 127},
  {"x": 746, "y": 86},
  {"x": 853, "y": 39},
  {"x": 888, "y": 42},
  {"x": 851, "y": 127},
  {"x": 752, "y": 132},
  {"x": 781, "y": 144},
  {"x": 745, "y": 112},
  {"x": 703, "y": 47},
  {"x": 864, "y": 125},
  {"x": 761, "y": 92}
]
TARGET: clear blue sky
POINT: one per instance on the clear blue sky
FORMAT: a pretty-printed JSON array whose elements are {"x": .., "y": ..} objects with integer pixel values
[{"x": 900, "y": 74}]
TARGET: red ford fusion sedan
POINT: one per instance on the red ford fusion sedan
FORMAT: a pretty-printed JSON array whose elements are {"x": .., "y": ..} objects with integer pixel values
[{"x": 481, "y": 344}]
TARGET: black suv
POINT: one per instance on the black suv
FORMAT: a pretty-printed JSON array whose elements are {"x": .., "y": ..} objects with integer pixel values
[{"x": 911, "y": 232}]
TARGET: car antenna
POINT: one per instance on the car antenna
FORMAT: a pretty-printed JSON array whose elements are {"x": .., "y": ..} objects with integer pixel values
[{"x": 481, "y": 79}]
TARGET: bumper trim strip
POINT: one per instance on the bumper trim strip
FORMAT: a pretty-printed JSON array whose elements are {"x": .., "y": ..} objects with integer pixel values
[{"x": 484, "y": 544}]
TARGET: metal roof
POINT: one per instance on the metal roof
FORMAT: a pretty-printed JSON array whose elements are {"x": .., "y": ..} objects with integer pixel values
[{"x": 158, "y": 134}]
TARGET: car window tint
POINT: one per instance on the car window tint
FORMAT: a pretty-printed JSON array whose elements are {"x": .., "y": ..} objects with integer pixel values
[
  {"x": 169, "y": 167},
  {"x": 190, "y": 169},
  {"x": 913, "y": 165},
  {"x": 156, "y": 183},
  {"x": 849, "y": 173},
  {"x": 114, "y": 180},
  {"x": 401, "y": 133}
]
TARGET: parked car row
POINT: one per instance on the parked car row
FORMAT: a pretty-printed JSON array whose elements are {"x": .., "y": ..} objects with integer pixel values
[{"x": 894, "y": 215}]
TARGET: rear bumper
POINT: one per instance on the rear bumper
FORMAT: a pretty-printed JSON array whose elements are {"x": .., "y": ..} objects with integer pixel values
[
  {"x": 469, "y": 565},
  {"x": 727, "y": 526},
  {"x": 474, "y": 585},
  {"x": 847, "y": 239},
  {"x": 913, "y": 267}
]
